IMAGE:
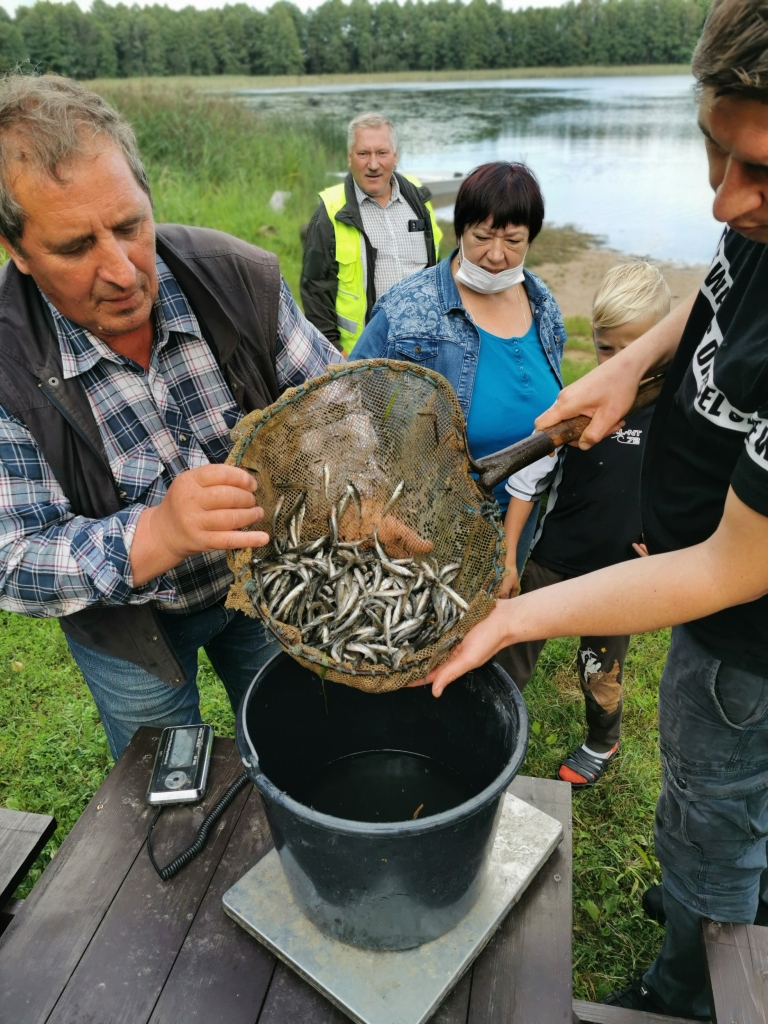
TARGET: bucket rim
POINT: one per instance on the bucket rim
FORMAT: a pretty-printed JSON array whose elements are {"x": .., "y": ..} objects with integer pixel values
[{"x": 347, "y": 826}]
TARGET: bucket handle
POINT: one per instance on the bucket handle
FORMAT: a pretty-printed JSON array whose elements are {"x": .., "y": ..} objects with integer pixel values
[{"x": 243, "y": 741}]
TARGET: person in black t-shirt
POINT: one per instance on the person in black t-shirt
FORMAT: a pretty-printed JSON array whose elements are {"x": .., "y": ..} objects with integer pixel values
[
  {"x": 592, "y": 520},
  {"x": 704, "y": 490}
]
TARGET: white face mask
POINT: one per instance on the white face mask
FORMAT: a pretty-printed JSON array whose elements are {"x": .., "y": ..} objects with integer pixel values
[{"x": 480, "y": 280}]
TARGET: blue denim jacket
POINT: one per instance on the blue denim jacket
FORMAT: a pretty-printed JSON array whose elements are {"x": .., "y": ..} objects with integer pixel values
[{"x": 422, "y": 320}]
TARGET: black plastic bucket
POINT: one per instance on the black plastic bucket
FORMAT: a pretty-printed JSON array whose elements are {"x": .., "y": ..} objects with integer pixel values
[{"x": 380, "y": 885}]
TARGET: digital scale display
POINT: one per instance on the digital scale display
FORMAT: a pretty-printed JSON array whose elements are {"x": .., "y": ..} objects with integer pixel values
[{"x": 183, "y": 749}]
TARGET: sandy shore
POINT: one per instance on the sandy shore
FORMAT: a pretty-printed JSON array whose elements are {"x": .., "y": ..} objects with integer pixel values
[{"x": 575, "y": 282}]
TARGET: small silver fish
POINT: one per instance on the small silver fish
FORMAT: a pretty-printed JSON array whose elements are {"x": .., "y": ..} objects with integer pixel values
[
  {"x": 364, "y": 650},
  {"x": 355, "y": 495},
  {"x": 456, "y": 598},
  {"x": 289, "y": 599},
  {"x": 395, "y": 497},
  {"x": 275, "y": 514},
  {"x": 358, "y": 604}
]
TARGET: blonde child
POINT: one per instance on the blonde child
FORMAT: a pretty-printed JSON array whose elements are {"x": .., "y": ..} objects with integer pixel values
[{"x": 592, "y": 520}]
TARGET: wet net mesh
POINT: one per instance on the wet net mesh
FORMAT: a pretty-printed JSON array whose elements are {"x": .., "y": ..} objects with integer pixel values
[{"x": 372, "y": 423}]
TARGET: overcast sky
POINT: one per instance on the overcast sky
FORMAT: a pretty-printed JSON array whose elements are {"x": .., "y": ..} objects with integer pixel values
[{"x": 11, "y": 5}]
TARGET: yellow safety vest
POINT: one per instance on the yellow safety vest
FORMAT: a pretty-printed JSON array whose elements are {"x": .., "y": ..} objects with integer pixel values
[{"x": 351, "y": 297}]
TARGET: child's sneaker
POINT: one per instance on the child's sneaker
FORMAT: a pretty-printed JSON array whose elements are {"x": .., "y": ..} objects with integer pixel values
[{"x": 583, "y": 767}]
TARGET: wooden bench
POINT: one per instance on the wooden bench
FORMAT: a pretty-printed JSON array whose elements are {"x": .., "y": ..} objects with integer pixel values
[
  {"x": 737, "y": 960},
  {"x": 22, "y": 837},
  {"x": 598, "y": 1013}
]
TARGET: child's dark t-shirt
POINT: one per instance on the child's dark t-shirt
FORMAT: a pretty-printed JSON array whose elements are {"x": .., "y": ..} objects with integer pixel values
[{"x": 593, "y": 511}]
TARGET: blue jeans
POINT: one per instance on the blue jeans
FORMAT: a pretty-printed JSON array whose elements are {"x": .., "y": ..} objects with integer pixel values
[
  {"x": 128, "y": 696},
  {"x": 711, "y": 825}
]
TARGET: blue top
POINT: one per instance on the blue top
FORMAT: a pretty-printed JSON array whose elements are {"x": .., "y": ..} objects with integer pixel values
[
  {"x": 423, "y": 320},
  {"x": 514, "y": 383}
]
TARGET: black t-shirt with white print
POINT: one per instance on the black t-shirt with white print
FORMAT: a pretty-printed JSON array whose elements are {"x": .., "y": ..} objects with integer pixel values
[
  {"x": 593, "y": 509},
  {"x": 710, "y": 432}
]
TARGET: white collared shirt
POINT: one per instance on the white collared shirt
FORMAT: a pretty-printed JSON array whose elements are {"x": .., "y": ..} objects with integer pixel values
[{"x": 399, "y": 252}]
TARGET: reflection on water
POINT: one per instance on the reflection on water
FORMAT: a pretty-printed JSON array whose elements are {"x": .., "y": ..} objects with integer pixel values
[{"x": 620, "y": 157}]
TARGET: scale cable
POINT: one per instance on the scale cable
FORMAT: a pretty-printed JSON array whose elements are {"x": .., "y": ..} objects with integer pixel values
[{"x": 192, "y": 851}]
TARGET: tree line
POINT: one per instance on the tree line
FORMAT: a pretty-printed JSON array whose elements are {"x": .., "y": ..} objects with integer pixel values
[{"x": 360, "y": 36}]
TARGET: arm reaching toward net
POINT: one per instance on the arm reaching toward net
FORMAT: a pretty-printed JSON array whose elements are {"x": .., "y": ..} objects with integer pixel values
[
  {"x": 636, "y": 596},
  {"x": 607, "y": 392},
  {"x": 514, "y": 523}
]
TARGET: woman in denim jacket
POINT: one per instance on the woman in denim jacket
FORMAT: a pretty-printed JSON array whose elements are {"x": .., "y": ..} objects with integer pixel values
[{"x": 491, "y": 328}]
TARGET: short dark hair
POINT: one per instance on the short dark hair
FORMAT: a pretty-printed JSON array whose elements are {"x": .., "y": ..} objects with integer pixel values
[
  {"x": 508, "y": 192},
  {"x": 732, "y": 54}
]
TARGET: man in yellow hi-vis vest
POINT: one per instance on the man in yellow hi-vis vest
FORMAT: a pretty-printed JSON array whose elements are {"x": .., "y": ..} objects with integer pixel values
[{"x": 368, "y": 232}]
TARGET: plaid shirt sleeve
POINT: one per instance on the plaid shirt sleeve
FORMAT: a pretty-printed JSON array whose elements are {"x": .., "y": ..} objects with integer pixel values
[
  {"x": 51, "y": 561},
  {"x": 302, "y": 351}
]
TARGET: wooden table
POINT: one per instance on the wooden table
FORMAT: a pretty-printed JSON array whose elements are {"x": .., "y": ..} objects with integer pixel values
[{"x": 101, "y": 940}]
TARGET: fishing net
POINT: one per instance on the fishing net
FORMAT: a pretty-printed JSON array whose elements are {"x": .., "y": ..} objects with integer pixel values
[{"x": 372, "y": 458}]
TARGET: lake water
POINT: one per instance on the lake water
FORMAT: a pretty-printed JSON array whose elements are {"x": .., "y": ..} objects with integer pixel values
[{"x": 621, "y": 157}]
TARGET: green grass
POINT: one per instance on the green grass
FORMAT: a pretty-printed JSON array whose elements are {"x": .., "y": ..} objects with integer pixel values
[
  {"x": 613, "y": 861},
  {"x": 558, "y": 245},
  {"x": 579, "y": 354},
  {"x": 53, "y": 757}
]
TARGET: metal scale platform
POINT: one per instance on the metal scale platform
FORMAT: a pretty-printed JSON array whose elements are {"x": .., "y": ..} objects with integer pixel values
[{"x": 403, "y": 987}]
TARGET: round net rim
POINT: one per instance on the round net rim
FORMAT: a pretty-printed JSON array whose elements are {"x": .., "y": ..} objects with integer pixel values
[{"x": 374, "y": 678}]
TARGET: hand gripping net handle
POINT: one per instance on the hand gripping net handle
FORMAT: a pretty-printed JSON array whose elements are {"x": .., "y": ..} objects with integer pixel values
[{"x": 371, "y": 423}]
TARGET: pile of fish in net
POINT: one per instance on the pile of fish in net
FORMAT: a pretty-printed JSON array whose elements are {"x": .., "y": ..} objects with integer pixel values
[{"x": 349, "y": 598}]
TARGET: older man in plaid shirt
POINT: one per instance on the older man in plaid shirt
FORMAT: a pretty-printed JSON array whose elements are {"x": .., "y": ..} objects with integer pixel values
[{"x": 127, "y": 355}]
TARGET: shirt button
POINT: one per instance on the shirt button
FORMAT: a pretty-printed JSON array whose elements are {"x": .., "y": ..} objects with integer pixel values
[
  {"x": 417, "y": 349},
  {"x": 123, "y": 494},
  {"x": 182, "y": 437}
]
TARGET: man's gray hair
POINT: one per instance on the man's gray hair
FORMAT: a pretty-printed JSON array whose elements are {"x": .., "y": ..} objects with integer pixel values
[
  {"x": 370, "y": 120},
  {"x": 46, "y": 121},
  {"x": 732, "y": 54}
]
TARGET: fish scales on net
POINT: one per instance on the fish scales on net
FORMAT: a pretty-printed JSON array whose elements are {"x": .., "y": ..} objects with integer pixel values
[{"x": 351, "y": 600}]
